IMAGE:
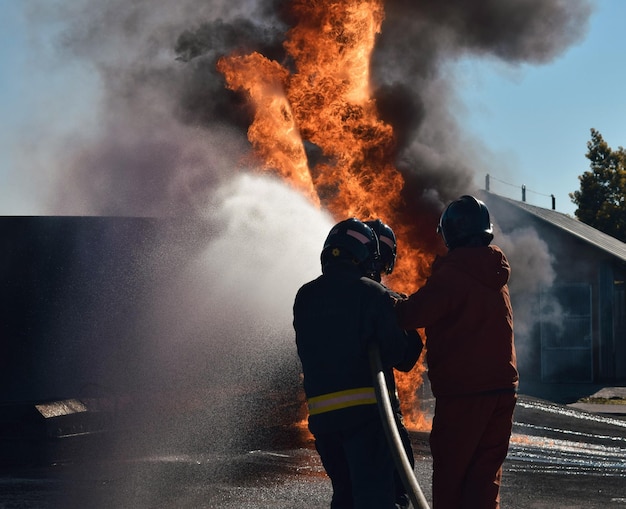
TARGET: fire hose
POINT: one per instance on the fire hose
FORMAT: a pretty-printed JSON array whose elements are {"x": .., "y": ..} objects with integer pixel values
[{"x": 405, "y": 471}]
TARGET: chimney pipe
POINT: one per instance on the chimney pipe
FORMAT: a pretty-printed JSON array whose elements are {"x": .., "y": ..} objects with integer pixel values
[
  {"x": 487, "y": 182},
  {"x": 523, "y": 193},
  {"x": 553, "y": 202}
]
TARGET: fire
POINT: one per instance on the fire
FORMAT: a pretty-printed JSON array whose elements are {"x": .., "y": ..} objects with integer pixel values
[
  {"x": 273, "y": 119},
  {"x": 326, "y": 100}
]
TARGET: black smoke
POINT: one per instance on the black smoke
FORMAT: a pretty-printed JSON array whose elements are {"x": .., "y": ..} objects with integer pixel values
[
  {"x": 170, "y": 133},
  {"x": 416, "y": 91}
]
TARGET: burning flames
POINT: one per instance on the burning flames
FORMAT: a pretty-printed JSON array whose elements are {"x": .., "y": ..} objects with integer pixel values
[{"x": 326, "y": 100}]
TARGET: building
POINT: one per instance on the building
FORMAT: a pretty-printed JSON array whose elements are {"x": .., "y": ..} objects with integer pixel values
[{"x": 579, "y": 334}]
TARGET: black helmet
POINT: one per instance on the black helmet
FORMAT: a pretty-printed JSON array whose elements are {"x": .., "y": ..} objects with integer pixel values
[
  {"x": 386, "y": 245},
  {"x": 466, "y": 222},
  {"x": 353, "y": 241}
]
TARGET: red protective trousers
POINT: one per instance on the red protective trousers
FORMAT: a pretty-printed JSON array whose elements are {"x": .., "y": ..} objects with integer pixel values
[{"x": 469, "y": 442}]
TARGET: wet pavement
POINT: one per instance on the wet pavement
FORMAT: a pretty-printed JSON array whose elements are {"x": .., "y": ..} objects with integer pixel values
[{"x": 560, "y": 457}]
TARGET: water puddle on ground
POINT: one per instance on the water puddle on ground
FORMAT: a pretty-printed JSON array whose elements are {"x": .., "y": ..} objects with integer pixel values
[{"x": 557, "y": 439}]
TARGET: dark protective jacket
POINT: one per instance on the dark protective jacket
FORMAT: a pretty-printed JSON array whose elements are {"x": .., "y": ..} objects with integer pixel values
[
  {"x": 465, "y": 309},
  {"x": 335, "y": 318}
]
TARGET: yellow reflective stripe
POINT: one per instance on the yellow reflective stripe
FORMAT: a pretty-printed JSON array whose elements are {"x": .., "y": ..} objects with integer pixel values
[{"x": 341, "y": 399}]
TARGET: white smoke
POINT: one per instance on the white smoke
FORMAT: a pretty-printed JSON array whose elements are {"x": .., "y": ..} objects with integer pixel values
[{"x": 532, "y": 273}]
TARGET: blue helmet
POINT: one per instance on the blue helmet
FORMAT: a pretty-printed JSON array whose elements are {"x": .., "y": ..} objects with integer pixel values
[
  {"x": 386, "y": 245},
  {"x": 465, "y": 222},
  {"x": 351, "y": 240}
]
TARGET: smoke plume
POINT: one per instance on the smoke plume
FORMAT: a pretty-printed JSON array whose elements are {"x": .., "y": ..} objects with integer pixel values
[
  {"x": 531, "y": 272},
  {"x": 168, "y": 133},
  {"x": 416, "y": 86}
]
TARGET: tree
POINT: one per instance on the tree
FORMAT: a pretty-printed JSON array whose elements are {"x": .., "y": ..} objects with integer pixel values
[{"x": 601, "y": 199}]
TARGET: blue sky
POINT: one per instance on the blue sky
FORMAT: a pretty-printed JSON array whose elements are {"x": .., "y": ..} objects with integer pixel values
[
  {"x": 534, "y": 120},
  {"x": 43, "y": 99}
]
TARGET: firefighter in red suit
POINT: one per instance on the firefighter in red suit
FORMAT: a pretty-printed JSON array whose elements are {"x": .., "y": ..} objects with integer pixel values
[
  {"x": 336, "y": 317},
  {"x": 465, "y": 309}
]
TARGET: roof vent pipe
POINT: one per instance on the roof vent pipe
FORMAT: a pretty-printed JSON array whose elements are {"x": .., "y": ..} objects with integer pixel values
[
  {"x": 523, "y": 193},
  {"x": 553, "y": 202}
]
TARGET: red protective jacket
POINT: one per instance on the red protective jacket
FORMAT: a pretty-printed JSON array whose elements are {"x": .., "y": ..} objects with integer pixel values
[{"x": 465, "y": 309}]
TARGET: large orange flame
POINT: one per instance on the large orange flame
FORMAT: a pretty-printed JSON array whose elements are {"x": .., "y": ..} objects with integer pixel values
[{"x": 328, "y": 102}]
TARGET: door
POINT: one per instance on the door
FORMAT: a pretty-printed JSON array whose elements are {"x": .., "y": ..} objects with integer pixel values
[{"x": 566, "y": 334}]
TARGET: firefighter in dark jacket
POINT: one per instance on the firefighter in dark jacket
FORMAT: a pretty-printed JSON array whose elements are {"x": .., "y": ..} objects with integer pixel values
[
  {"x": 384, "y": 265},
  {"x": 466, "y": 310},
  {"x": 336, "y": 317}
]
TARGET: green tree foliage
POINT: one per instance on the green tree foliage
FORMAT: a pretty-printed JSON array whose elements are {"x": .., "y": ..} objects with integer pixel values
[{"x": 601, "y": 199}]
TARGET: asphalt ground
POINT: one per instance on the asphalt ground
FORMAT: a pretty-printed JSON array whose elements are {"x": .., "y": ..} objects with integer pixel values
[{"x": 560, "y": 457}]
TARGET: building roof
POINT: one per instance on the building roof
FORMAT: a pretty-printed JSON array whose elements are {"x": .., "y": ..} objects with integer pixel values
[{"x": 571, "y": 225}]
